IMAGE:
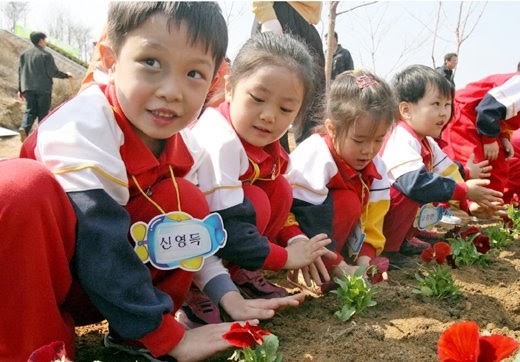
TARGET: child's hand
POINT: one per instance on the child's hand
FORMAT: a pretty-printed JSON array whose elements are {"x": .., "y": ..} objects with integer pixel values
[
  {"x": 478, "y": 170},
  {"x": 190, "y": 348},
  {"x": 508, "y": 147},
  {"x": 491, "y": 150},
  {"x": 483, "y": 196},
  {"x": 496, "y": 213},
  {"x": 343, "y": 268},
  {"x": 379, "y": 263},
  {"x": 240, "y": 308},
  {"x": 303, "y": 252}
]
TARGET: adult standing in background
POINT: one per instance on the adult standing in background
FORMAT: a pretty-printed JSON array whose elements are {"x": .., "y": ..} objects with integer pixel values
[
  {"x": 450, "y": 63},
  {"x": 341, "y": 59},
  {"x": 35, "y": 72},
  {"x": 297, "y": 18}
]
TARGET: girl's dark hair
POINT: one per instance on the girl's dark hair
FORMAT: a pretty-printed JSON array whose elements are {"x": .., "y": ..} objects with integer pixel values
[
  {"x": 411, "y": 83},
  {"x": 282, "y": 50},
  {"x": 356, "y": 95},
  {"x": 204, "y": 21}
]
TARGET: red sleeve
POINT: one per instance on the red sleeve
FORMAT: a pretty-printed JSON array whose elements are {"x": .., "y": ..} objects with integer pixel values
[
  {"x": 367, "y": 250},
  {"x": 467, "y": 173},
  {"x": 487, "y": 140},
  {"x": 461, "y": 190},
  {"x": 331, "y": 264},
  {"x": 276, "y": 259},
  {"x": 287, "y": 233},
  {"x": 161, "y": 341}
]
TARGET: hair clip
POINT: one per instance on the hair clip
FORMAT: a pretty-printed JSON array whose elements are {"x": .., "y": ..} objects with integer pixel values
[{"x": 365, "y": 80}]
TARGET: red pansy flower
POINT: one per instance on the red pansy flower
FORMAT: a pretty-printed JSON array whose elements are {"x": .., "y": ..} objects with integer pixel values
[
  {"x": 245, "y": 336},
  {"x": 482, "y": 243},
  {"x": 496, "y": 347},
  {"x": 462, "y": 343},
  {"x": 54, "y": 351},
  {"x": 380, "y": 264},
  {"x": 442, "y": 250},
  {"x": 439, "y": 251},
  {"x": 472, "y": 230}
]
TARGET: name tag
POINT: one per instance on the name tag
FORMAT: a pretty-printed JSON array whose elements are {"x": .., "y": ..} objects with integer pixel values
[
  {"x": 177, "y": 240},
  {"x": 355, "y": 240},
  {"x": 427, "y": 216}
]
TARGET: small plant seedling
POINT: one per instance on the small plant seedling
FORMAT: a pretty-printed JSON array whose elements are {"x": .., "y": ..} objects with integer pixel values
[
  {"x": 499, "y": 236},
  {"x": 355, "y": 294},
  {"x": 437, "y": 282}
]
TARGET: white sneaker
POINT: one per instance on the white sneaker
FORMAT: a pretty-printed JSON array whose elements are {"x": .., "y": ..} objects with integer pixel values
[{"x": 449, "y": 218}]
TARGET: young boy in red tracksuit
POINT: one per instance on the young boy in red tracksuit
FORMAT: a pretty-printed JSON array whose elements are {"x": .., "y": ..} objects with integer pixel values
[
  {"x": 108, "y": 161},
  {"x": 486, "y": 114},
  {"x": 420, "y": 173}
]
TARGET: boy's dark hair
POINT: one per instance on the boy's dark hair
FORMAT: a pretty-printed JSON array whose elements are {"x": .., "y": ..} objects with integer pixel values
[
  {"x": 203, "y": 19},
  {"x": 36, "y": 36},
  {"x": 448, "y": 57},
  {"x": 282, "y": 50},
  {"x": 335, "y": 36},
  {"x": 411, "y": 83}
]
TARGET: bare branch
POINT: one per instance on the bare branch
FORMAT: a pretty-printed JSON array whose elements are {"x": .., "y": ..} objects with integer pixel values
[
  {"x": 436, "y": 32},
  {"x": 330, "y": 52},
  {"x": 355, "y": 7}
]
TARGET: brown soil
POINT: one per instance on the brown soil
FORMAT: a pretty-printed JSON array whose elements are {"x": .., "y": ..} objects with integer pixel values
[{"x": 403, "y": 326}]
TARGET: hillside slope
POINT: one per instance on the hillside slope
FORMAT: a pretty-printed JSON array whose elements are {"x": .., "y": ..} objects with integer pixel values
[{"x": 11, "y": 107}]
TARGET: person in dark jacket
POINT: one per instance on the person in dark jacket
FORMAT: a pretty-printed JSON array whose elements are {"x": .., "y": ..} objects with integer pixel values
[
  {"x": 341, "y": 59},
  {"x": 447, "y": 69},
  {"x": 35, "y": 72}
]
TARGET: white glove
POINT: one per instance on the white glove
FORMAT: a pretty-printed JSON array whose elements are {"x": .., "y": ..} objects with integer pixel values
[{"x": 272, "y": 25}]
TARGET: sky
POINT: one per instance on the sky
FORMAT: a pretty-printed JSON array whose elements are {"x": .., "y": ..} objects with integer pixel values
[{"x": 383, "y": 37}]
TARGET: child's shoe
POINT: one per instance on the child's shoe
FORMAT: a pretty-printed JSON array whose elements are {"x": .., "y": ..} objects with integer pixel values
[
  {"x": 111, "y": 341},
  {"x": 396, "y": 260},
  {"x": 198, "y": 310},
  {"x": 428, "y": 235},
  {"x": 449, "y": 218},
  {"x": 253, "y": 285},
  {"x": 413, "y": 246}
]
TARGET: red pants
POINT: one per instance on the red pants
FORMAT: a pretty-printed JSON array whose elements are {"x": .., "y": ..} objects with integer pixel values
[
  {"x": 399, "y": 219},
  {"x": 272, "y": 201},
  {"x": 41, "y": 302},
  {"x": 347, "y": 212},
  {"x": 463, "y": 140}
]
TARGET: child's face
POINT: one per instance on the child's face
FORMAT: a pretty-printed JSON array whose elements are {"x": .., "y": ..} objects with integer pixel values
[
  {"x": 161, "y": 79},
  {"x": 429, "y": 115},
  {"x": 265, "y": 103},
  {"x": 362, "y": 143}
]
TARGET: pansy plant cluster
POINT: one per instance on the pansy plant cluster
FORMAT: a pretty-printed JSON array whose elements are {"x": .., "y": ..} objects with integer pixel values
[
  {"x": 436, "y": 281},
  {"x": 469, "y": 246}
]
